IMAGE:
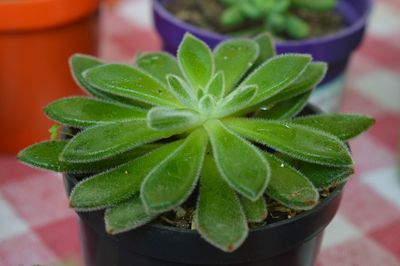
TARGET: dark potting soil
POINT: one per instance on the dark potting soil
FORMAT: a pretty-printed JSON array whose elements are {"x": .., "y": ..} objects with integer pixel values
[
  {"x": 183, "y": 216},
  {"x": 206, "y": 14}
]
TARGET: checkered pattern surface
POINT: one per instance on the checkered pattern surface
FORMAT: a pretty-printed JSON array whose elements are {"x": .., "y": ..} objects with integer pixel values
[{"x": 37, "y": 227}]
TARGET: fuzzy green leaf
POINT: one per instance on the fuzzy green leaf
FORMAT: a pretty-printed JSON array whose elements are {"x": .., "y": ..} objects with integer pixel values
[
  {"x": 298, "y": 141},
  {"x": 104, "y": 141},
  {"x": 219, "y": 215},
  {"x": 173, "y": 180},
  {"x": 343, "y": 126},
  {"x": 116, "y": 185},
  {"x": 126, "y": 216},
  {"x": 276, "y": 74},
  {"x": 207, "y": 104},
  {"x": 84, "y": 112},
  {"x": 239, "y": 162},
  {"x": 181, "y": 90},
  {"x": 159, "y": 65},
  {"x": 232, "y": 16},
  {"x": 307, "y": 81},
  {"x": 281, "y": 6},
  {"x": 256, "y": 211},
  {"x": 276, "y": 23},
  {"x": 296, "y": 27},
  {"x": 216, "y": 86},
  {"x": 324, "y": 177},
  {"x": 78, "y": 64},
  {"x": 251, "y": 10},
  {"x": 46, "y": 155},
  {"x": 289, "y": 187},
  {"x": 126, "y": 81},
  {"x": 286, "y": 109},
  {"x": 237, "y": 100},
  {"x": 267, "y": 48},
  {"x": 234, "y": 58},
  {"x": 196, "y": 61},
  {"x": 161, "y": 118}
]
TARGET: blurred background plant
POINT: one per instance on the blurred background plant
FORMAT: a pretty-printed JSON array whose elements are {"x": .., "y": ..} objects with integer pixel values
[{"x": 275, "y": 15}]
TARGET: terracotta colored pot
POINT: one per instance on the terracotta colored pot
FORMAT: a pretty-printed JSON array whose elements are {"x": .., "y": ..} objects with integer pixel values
[{"x": 36, "y": 39}]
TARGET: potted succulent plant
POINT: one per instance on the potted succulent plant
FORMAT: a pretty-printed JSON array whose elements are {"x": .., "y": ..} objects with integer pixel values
[
  {"x": 169, "y": 153},
  {"x": 329, "y": 30}
]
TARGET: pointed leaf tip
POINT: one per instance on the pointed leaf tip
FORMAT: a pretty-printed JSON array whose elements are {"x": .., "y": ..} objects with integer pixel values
[
  {"x": 196, "y": 61},
  {"x": 79, "y": 63},
  {"x": 234, "y": 58},
  {"x": 303, "y": 143},
  {"x": 306, "y": 82},
  {"x": 276, "y": 74},
  {"x": 159, "y": 65},
  {"x": 85, "y": 112},
  {"x": 266, "y": 48},
  {"x": 256, "y": 211},
  {"x": 46, "y": 155},
  {"x": 289, "y": 187},
  {"x": 343, "y": 126},
  {"x": 219, "y": 205},
  {"x": 324, "y": 177},
  {"x": 125, "y": 216}
]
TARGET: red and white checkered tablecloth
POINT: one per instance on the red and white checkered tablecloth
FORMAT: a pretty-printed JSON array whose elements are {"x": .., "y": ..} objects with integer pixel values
[{"x": 37, "y": 227}]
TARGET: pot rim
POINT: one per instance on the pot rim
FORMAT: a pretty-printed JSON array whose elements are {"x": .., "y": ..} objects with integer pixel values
[
  {"x": 24, "y": 15},
  {"x": 347, "y": 31}
]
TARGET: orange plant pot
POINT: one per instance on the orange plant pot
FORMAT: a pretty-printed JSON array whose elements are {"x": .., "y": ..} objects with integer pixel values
[{"x": 36, "y": 39}]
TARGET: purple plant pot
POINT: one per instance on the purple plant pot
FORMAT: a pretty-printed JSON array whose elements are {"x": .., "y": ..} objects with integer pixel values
[{"x": 335, "y": 49}]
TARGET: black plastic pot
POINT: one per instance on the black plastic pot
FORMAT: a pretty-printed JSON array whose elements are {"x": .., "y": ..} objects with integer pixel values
[{"x": 293, "y": 242}]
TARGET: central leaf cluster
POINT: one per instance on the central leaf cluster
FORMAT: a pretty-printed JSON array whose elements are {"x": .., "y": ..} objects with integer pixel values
[
  {"x": 204, "y": 93},
  {"x": 199, "y": 105}
]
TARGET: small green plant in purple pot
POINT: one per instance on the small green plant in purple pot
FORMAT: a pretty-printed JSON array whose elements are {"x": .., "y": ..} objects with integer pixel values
[{"x": 275, "y": 14}]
